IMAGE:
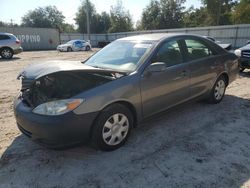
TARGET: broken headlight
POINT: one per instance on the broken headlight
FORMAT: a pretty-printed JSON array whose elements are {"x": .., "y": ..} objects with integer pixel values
[{"x": 57, "y": 107}]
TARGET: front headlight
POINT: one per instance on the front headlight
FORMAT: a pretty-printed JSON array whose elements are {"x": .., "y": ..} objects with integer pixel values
[
  {"x": 237, "y": 52},
  {"x": 57, "y": 107}
]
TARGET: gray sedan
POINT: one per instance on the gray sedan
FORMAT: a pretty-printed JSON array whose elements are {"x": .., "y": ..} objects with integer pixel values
[{"x": 129, "y": 80}]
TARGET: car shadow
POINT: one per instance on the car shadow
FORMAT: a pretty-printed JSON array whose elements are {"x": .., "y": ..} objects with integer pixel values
[
  {"x": 7, "y": 60},
  {"x": 245, "y": 73},
  {"x": 192, "y": 145}
]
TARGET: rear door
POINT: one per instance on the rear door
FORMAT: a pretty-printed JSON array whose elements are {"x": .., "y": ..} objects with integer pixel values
[
  {"x": 161, "y": 90},
  {"x": 202, "y": 62},
  {"x": 4, "y": 40}
]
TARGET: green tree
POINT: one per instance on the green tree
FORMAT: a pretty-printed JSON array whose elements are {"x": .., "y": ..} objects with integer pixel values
[
  {"x": 3, "y": 24},
  {"x": 120, "y": 18},
  {"x": 242, "y": 12},
  {"x": 219, "y": 11},
  {"x": 163, "y": 14},
  {"x": 67, "y": 28},
  {"x": 99, "y": 23},
  {"x": 172, "y": 13},
  {"x": 151, "y": 16},
  {"x": 81, "y": 16},
  {"x": 195, "y": 17},
  {"x": 48, "y": 16},
  {"x": 103, "y": 22}
]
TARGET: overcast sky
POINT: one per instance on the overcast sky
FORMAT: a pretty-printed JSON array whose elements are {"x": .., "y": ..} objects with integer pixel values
[{"x": 15, "y": 9}]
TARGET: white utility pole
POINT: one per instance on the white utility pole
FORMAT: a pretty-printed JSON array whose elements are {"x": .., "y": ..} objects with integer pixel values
[{"x": 88, "y": 22}]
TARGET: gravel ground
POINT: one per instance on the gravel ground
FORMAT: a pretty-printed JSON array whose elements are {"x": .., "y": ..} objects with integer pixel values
[{"x": 193, "y": 145}]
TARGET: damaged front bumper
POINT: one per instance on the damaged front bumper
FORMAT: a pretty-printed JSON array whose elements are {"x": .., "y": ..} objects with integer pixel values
[{"x": 53, "y": 131}]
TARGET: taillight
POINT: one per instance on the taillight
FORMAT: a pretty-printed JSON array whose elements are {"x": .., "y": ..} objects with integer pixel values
[{"x": 18, "y": 42}]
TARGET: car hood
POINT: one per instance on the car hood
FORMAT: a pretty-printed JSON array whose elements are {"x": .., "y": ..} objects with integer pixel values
[
  {"x": 247, "y": 47},
  {"x": 64, "y": 45},
  {"x": 38, "y": 70}
]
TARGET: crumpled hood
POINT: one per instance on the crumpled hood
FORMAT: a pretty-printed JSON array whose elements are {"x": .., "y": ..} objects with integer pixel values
[{"x": 38, "y": 70}]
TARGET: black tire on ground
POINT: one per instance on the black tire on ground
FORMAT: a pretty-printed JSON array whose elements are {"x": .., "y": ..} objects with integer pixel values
[
  {"x": 7, "y": 53},
  {"x": 69, "y": 49},
  {"x": 87, "y": 48},
  {"x": 242, "y": 69},
  {"x": 99, "y": 128},
  {"x": 218, "y": 91}
]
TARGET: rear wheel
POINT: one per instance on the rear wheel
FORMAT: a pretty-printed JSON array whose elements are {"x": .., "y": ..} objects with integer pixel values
[
  {"x": 7, "y": 53},
  {"x": 112, "y": 127},
  {"x": 218, "y": 91}
]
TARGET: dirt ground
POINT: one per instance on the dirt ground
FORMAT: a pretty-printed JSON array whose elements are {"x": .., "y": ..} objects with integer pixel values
[{"x": 193, "y": 145}]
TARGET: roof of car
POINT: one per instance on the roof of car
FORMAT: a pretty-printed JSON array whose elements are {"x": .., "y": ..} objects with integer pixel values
[
  {"x": 77, "y": 40},
  {"x": 3, "y": 33},
  {"x": 153, "y": 36}
]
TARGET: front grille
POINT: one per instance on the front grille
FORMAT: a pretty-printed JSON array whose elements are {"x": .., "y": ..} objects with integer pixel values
[
  {"x": 27, "y": 133},
  {"x": 246, "y": 54}
]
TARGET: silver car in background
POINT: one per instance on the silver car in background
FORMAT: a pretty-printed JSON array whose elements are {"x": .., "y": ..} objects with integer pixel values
[
  {"x": 129, "y": 80},
  {"x": 74, "y": 45},
  {"x": 9, "y": 45},
  {"x": 244, "y": 55}
]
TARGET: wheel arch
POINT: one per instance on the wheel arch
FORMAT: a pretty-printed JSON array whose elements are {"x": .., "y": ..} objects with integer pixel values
[
  {"x": 125, "y": 103},
  {"x": 225, "y": 75},
  {"x": 6, "y": 47}
]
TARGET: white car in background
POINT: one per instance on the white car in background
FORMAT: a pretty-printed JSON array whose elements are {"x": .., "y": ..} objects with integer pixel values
[
  {"x": 9, "y": 45},
  {"x": 74, "y": 45}
]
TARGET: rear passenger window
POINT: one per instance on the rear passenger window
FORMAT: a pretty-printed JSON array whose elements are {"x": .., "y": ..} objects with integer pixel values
[
  {"x": 197, "y": 50},
  {"x": 169, "y": 53},
  {"x": 4, "y": 37}
]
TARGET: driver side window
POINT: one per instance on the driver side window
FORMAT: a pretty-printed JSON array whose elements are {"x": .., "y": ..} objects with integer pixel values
[{"x": 169, "y": 53}]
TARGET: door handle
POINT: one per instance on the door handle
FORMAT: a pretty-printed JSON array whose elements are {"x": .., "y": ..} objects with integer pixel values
[{"x": 184, "y": 73}]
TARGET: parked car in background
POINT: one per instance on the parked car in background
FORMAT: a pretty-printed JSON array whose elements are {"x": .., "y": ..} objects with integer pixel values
[
  {"x": 127, "y": 81},
  {"x": 74, "y": 45},
  {"x": 9, "y": 45},
  {"x": 244, "y": 54},
  {"x": 226, "y": 46}
]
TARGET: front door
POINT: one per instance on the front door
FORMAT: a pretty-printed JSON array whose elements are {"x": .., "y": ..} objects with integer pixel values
[{"x": 161, "y": 90}]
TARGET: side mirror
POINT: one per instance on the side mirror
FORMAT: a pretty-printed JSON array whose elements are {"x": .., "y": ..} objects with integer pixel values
[{"x": 156, "y": 67}]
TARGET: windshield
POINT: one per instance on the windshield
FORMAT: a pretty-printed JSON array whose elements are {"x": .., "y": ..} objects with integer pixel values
[{"x": 120, "y": 55}]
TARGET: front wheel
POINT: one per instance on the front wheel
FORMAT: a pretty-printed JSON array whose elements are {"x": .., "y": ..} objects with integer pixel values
[
  {"x": 218, "y": 91},
  {"x": 87, "y": 48},
  {"x": 112, "y": 127}
]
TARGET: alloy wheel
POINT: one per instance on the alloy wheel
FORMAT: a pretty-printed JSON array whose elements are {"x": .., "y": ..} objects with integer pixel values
[{"x": 6, "y": 53}]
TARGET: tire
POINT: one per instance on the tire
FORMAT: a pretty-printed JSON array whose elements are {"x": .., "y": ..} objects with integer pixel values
[
  {"x": 242, "y": 69},
  {"x": 7, "y": 53},
  {"x": 87, "y": 48},
  {"x": 218, "y": 91},
  {"x": 108, "y": 135},
  {"x": 69, "y": 49}
]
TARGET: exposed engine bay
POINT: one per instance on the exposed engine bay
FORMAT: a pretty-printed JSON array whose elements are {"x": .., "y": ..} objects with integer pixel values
[{"x": 61, "y": 85}]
